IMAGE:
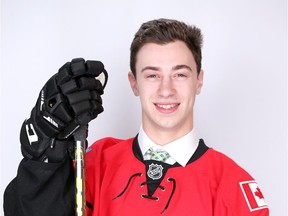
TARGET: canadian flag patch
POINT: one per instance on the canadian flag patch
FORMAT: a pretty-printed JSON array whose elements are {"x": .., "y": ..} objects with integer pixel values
[{"x": 253, "y": 195}]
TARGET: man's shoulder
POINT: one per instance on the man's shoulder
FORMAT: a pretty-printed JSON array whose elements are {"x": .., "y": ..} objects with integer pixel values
[
  {"x": 235, "y": 186},
  {"x": 220, "y": 164},
  {"x": 220, "y": 157},
  {"x": 108, "y": 144}
]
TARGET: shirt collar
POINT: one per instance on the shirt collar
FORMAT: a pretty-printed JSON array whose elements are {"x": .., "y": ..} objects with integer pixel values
[{"x": 181, "y": 150}]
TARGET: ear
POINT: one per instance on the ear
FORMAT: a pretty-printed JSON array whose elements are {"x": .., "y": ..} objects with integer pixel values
[
  {"x": 199, "y": 81},
  {"x": 133, "y": 83}
]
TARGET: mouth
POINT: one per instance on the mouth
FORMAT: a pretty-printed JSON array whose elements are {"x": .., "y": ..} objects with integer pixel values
[{"x": 167, "y": 108}]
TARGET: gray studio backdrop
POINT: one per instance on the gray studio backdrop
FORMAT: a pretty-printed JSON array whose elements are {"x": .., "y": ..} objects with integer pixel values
[{"x": 241, "y": 110}]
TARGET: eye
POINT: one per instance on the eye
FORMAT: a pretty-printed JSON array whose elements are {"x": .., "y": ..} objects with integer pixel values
[
  {"x": 180, "y": 75},
  {"x": 151, "y": 76}
]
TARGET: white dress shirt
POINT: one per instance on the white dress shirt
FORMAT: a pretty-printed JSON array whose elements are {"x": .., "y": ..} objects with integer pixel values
[{"x": 180, "y": 150}]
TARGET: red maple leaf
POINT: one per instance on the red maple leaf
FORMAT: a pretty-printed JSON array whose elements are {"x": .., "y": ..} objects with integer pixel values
[{"x": 258, "y": 193}]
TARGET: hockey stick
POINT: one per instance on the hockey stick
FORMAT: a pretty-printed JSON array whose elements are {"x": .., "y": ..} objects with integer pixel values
[{"x": 80, "y": 146}]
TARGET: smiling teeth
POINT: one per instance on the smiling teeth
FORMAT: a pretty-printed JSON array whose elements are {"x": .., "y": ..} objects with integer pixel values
[{"x": 168, "y": 106}]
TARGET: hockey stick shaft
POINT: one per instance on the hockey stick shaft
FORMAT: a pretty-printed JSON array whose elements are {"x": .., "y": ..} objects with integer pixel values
[
  {"x": 80, "y": 145},
  {"x": 80, "y": 142}
]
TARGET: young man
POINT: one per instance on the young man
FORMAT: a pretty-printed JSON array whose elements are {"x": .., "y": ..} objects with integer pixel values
[{"x": 165, "y": 169}]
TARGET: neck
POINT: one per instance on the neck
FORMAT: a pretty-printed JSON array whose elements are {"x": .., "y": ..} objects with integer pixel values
[{"x": 166, "y": 136}]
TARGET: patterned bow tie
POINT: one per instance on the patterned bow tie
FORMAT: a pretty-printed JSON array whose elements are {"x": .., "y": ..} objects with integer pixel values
[{"x": 158, "y": 155}]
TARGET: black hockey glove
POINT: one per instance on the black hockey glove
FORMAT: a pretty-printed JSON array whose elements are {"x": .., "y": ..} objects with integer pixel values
[{"x": 70, "y": 99}]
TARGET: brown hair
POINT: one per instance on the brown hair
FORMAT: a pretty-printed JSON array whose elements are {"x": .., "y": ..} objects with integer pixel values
[{"x": 162, "y": 31}]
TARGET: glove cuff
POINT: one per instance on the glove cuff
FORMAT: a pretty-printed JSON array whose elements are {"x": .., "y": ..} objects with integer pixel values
[{"x": 35, "y": 145}]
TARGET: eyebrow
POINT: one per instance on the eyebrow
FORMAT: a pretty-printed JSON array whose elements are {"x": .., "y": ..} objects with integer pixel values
[
  {"x": 178, "y": 67},
  {"x": 174, "y": 68},
  {"x": 150, "y": 68}
]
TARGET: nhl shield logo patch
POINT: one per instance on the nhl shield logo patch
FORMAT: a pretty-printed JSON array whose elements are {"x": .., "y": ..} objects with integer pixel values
[
  {"x": 253, "y": 195},
  {"x": 155, "y": 171}
]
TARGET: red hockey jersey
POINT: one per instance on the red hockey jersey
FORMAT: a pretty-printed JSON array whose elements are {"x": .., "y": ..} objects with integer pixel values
[{"x": 119, "y": 182}]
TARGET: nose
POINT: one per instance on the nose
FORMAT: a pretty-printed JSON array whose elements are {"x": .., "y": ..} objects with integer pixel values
[{"x": 166, "y": 87}]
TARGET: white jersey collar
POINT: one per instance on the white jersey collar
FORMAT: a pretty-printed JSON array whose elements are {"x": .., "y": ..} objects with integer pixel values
[{"x": 180, "y": 150}]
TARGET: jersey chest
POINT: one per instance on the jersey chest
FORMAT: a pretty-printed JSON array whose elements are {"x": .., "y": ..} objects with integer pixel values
[{"x": 179, "y": 191}]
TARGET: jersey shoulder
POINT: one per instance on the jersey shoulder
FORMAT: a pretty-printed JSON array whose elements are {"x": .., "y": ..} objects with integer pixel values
[
  {"x": 237, "y": 190},
  {"x": 225, "y": 164},
  {"x": 107, "y": 144}
]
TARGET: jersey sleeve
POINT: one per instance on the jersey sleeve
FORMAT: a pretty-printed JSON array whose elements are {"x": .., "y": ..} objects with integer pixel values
[
  {"x": 41, "y": 189},
  {"x": 239, "y": 194}
]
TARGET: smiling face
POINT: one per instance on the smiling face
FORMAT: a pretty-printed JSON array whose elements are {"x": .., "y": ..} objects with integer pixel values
[{"x": 167, "y": 84}]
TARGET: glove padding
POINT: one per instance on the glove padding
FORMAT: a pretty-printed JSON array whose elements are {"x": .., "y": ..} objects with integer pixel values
[{"x": 70, "y": 99}]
